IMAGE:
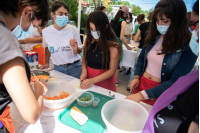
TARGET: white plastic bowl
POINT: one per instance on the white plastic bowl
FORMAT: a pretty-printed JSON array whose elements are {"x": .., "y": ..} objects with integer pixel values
[
  {"x": 55, "y": 87},
  {"x": 124, "y": 116}
]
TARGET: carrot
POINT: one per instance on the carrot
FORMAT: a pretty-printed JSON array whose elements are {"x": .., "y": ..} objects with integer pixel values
[
  {"x": 38, "y": 77},
  {"x": 60, "y": 95}
]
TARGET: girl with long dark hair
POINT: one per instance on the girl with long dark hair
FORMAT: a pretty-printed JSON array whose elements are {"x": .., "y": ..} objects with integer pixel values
[
  {"x": 101, "y": 53},
  {"x": 178, "y": 106},
  {"x": 118, "y": 24},
  {"x": 166, "y": 55}
]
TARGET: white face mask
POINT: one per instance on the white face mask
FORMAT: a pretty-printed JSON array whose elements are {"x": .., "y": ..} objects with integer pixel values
[
  {"x": 194, "y": 45},
  {"x": 95, "y": 34},
  {"x": 162, "y": 28},
  {"x": 127, "y": 21}
]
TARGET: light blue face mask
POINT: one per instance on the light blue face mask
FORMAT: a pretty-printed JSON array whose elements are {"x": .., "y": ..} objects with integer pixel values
[
  {"x": 162, "y": 28},
  {"x": 95, "y": 34},
  {"x": 19, "y": 33},
  {"x": 61, "y": 20},
  {"x": 194, "y": 45}
]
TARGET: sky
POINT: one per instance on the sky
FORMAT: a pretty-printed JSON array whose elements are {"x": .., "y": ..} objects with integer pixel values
[{"x": 149, "y": 4}]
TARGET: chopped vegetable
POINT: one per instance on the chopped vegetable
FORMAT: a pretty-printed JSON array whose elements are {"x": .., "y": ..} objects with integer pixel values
[
  {"x": 60, "y": 95},
  {"x": 38, "y": 77},
  {"x": 85, "y": 98}
]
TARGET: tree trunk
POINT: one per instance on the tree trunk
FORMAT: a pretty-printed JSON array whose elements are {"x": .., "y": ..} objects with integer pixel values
[
  {"x": 94, "y": 4},
  {"x": 99, "y": 2}
]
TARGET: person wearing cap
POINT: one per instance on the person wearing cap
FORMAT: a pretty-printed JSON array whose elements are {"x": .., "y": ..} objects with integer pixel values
[{"x": 118, "y": 25}]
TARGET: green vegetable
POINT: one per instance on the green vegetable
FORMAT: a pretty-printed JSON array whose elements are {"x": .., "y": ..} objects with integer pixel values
[{"x": 85, "y": 98}]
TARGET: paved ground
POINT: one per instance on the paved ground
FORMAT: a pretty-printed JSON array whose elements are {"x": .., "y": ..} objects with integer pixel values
[{"x": 123, "y": 78}]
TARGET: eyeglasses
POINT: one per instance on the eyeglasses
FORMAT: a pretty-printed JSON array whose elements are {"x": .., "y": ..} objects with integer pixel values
[{"x": 194, "y": 24}]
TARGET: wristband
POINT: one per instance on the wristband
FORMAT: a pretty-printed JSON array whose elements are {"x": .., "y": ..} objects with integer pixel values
[
  {"x": 137, "y": 78},
  {"x": 141, "y": 94}
]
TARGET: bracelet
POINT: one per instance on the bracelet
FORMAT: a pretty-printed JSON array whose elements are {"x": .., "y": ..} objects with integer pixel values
[
  {"x": 137, "y": 78},
  {"x": 141, "y": 94}
]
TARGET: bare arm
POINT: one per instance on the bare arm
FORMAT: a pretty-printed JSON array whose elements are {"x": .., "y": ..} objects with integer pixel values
[
  {"x": 137, "y": 36},
  {"x": 78, "y": 50},
  {"x": 29, "y": 103},
  {"x": 123, "y": 26},
  {"x": 84, "y": 69},
  {"x": 47, "y": 55},
  {"x": 193, "y": 128}
]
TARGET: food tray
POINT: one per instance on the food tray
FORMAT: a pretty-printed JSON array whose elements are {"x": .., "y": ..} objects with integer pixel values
[{"x": 94, "y": 124}]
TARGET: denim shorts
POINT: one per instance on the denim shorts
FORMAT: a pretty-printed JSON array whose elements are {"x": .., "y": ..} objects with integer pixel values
[{"x": 73, "y": 70}]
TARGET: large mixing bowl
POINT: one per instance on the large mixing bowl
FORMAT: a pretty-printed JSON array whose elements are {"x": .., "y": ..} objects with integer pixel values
[
  {"x": 54, "y": 87},
  {"x": 124, "y": 116}
]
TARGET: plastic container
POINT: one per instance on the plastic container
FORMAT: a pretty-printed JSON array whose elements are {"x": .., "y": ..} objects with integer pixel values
[
  {"x": 55, "y": 87},
  {"x": 124, "y": 116},
  {"x": 84, "y": 103},
  {"x": 95, "y": 102}
]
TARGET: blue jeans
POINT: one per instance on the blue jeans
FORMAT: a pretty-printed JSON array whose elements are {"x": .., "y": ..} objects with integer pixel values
[
  {"x": 133, "y": 69},
  {"x": 73, "y": 70}
]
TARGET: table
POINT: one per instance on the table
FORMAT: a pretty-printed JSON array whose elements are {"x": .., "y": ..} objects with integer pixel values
[
  {"x": 128, "y": 58},
  {"x": 48, "y": 122}
]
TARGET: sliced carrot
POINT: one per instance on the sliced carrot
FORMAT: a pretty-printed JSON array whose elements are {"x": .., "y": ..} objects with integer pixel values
[
  {"x": 38, "y": 77},
  {"x": 60, "y": 95}
]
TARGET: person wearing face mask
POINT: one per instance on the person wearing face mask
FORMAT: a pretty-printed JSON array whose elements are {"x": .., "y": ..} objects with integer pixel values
[
  {"x": 166, "y": 55},
  {"x": 118, "y": 25},
  {"x": 140, "y": 20},
  {"x": 177, "y": 109},
  {"x": 141, "y": 32},
  {"x": 14, "y": 69},
  {"x": 62, "y": 42},
  {"x": 34, "y": 41},
  {"x": 101, "y": 53},
  {"x": 129, "y": 28}
]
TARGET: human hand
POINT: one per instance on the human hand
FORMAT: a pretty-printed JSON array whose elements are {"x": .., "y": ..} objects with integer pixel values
[
  {"x": 45, "y": 66},
  {"x": 129, "y": 48},
  {"x": 129, "y": 35},
  {"x": 24, "y": 41},
  {"x": 74, "y": 45},
  {"x": 83, "y": 76},
  {"x": 134, "y": 84},
  {"x": 87, "y": 83},
  {"x": 135, "y": 97},
  {"x": 40, "y": 86}
]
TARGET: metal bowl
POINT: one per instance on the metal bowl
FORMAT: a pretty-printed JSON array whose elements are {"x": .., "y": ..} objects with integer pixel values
[{"x": 41, "y": 72}]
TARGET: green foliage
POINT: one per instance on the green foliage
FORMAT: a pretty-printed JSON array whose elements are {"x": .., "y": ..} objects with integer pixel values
[
  {"x": 73, "y": 8},
  {"x": 117, "y": 2},
  {"x": 109, "y": 9},
  {"x": 83, "y": 19},
  {"x": 136, "y": 10}
]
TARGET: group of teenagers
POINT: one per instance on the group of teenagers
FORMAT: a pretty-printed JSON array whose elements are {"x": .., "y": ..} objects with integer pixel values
[{"x": 161, "y": 77}]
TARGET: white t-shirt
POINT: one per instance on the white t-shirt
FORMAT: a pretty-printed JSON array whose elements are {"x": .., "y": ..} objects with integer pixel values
[
  {"x": 58, "y": 44},
  {"x": 129, "y": 28}
]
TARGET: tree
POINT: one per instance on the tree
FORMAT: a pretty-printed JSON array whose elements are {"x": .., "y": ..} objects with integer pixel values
[
  {"x": 109, "y": 9},
  {"x": 136, "y": 10},
  {"x": 117, "y": 2},
  {"x": 73, "y": 8}
]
